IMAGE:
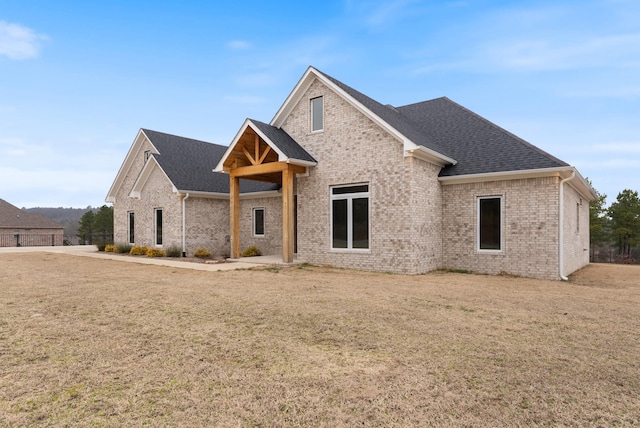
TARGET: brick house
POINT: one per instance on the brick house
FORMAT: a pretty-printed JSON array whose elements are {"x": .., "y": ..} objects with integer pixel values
[
  {"x": 364, "y": 185},
  {"x": 166, "y": 194},
  {"x": 19, "y": 228}
]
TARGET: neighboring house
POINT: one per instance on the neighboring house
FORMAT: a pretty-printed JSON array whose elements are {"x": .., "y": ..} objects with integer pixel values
[
  {"x": 166, "y": 194},
  {"x": 404, "y": 189},
  {"x": 19, "y": 228}
]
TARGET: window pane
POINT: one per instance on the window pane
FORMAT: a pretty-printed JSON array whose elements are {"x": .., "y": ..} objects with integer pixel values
[
  {"x": 158, "y": 227},
  {"x": 316, "y": 114},
  {"x": 131, "y": 228},
  {"x": 350, "y": 189},
  {"x": 258, "y": 221},
  {"x": 360, "y": 223},
  {"x": 490, "y": 224},
  {"x": 339, "y": 223}
]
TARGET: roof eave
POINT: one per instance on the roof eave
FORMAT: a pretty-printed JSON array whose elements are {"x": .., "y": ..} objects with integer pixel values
[
  {"x": 579, "y": 183},
  {"x": 426, "y": 154}
]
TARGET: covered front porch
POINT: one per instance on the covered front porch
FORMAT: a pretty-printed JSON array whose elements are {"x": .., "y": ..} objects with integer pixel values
[{"x": 262, "y": 152}]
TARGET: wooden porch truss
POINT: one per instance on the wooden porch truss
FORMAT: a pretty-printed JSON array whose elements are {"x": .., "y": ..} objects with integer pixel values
[{"x": 256, "y": 160}]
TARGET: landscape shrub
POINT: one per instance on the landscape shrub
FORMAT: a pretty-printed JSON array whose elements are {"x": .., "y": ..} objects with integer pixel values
[
  {"x": 102, "y": 245},
  {"x": 138, "y": 251},
  {"x": 174, "y": 251},
  {"x": 201, "y": 253},
  {"x": 110, "y": 249},
  {"x": 251, "y": 251},
  {"x": 123, "y": 248},
  {"x": 156, "y": 252}
]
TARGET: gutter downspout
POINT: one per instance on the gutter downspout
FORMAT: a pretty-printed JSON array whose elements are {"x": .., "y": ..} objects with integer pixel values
[
  {"x": 561, "y": 226},
  {"x": 184, "y": 225}
]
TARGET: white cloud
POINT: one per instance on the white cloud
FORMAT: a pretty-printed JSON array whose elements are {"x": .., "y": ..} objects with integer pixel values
[
  {"x": 620, "y": 147},
  {"x": 18, "y": 42},
  {"x": 239, "y": 45},
  {"x": 378, "y": 14}
]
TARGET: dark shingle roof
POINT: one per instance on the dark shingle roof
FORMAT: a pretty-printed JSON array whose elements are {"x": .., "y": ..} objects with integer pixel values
[
  {"x": 189, "y": 165},
  {"x": 477, "y": 145},
  {"x": 15, "y": 218},
  {"x": 283, "y": 142}
]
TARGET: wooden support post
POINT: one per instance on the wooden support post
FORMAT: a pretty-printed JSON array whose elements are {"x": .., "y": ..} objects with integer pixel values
[
  {"x": 234, "y": 215},
  {"x": 287, "y": 214}
]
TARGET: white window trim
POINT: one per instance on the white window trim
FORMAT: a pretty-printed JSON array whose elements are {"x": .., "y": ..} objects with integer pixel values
[
  {"x": 313, "y": 131},
  {"x": 253, "y": 222},
  {"x": 129, "y": 226},
  {"x": 155, "y": 227},
  {"x": 502, "y": 223},
  {"x": 349, "y": 196}
]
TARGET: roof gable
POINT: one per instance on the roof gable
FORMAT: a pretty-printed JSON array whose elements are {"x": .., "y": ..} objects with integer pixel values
[
  {"x": 12, "y": 217},
  {"x": 187, "y": 163},
  {"x": 385, "y": 116},
  {"x": 257, "y": 142}
]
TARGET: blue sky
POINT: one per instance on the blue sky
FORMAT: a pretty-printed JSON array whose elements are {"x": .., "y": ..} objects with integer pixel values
[{"x": 79, "y": 78}]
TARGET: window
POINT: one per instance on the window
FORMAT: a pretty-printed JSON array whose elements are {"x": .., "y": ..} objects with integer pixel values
[
  {"x": 490, "y": 223},
  {"x": 578, "y": 217},
  {"x": 350, "y": 217},
  {"x": 258, "y": 222},
  {"x": 132, "y": 227},
  {"x": 158, "y": 226},
  {"x": 317, "y": 114}
]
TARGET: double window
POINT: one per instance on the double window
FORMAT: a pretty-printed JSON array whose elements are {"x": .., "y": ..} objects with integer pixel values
[
  {"x": 258, "y": 222},
  {"x": 158, "y": 226},
  {"x": 490, "y": 223},
  {"x": 317, "y": 114},
  {"x": 350, "y": 217},
  {"x": 132, "y": 235}
]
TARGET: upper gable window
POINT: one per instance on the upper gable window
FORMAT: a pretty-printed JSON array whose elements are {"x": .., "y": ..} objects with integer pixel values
[
  {"x": 147, "y": 155},
  {"x": 317, "y": 114}
]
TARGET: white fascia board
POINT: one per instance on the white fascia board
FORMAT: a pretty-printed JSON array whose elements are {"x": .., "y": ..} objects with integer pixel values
[
  {"x": 144, "y": 176},
  {"x": 220, "y": 166},
  {"x": 133, "y": 152},
  {"x": 281, "y": 156},
  {"x": 294, "y": 97},
  {"x": 426, "y": 154},
  {"x": 505, "y": 175},
  {"x": 580, "y": 184},
  {"x": 125, "y": 167}
]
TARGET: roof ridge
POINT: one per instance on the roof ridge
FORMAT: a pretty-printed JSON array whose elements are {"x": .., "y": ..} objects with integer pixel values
[{"x": 146, "y": 130}]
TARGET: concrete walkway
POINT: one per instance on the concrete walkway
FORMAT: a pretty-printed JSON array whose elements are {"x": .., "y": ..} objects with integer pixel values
[{"x": 92, "y": 251}]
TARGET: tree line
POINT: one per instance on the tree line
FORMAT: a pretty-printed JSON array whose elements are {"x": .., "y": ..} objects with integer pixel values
[
  {"x": 96, "y": 226},
  {"x": 615, "y": 231}
]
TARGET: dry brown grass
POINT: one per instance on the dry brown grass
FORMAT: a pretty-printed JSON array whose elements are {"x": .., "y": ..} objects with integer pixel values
[{"x": 103, "y": 343}]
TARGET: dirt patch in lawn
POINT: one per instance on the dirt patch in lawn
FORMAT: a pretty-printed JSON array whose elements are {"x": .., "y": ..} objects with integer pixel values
[{"x": 101, "y": 342}]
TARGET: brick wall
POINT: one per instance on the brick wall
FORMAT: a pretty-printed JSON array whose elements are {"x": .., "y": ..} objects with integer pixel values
[
  {"x": 530, "y": 222},
  {"x": 576, "y": 230},
  {"x": 157, "y": 193},
  {"x": 271, "y": 242},
  {"x": 207, "y": 222},
  {"x": 352, "y": 149}
]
